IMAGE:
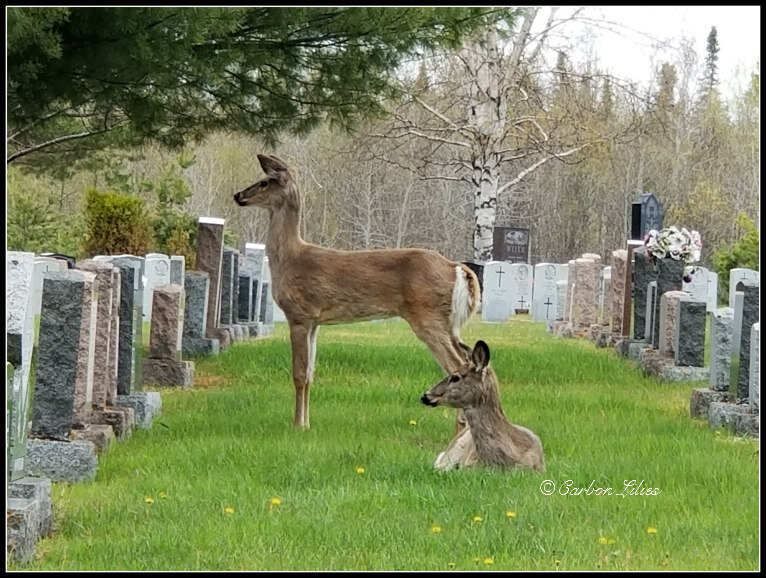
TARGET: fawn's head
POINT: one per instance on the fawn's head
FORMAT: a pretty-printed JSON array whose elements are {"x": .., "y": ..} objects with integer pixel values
[
  {"x": 467, "y": 387},
  {"x": 276, "y": 189}
]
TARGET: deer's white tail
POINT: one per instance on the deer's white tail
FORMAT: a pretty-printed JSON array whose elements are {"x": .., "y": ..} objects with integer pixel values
[{"x": 465, "y": 298}]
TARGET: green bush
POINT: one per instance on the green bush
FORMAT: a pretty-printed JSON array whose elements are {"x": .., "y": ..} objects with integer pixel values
[
  {"x": 743, "y": 253},
  {"x": 116, "y": 224}
]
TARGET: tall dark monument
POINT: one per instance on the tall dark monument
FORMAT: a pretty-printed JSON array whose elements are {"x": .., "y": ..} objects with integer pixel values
[
  {"x": 510, "y": 244},
  {"x": 646, "y": 215}
]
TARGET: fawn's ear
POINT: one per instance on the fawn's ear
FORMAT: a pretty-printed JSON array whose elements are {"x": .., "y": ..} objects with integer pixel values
[
  {"x": 272, "y": 166},
  {"x": 480, "y": 355}
]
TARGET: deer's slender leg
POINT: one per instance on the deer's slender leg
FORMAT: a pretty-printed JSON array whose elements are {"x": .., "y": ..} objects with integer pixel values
[
  {"x": 310, "y": 373},
  {"x": 299, "y": 341}
]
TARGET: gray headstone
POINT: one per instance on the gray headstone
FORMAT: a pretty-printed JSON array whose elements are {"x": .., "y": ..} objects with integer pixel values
[
  {"x": 649, "y": 319},
  {"x": 644, "y": 272},
  {"x": 245, "y": 296},
  {"x": 689, "y": 341},
  {"x": 228, "y": 279},
  {"x": 130, "y": 342},
  {"x": 670, "y": 277},
  {"x": 721, "y": 322},
  {"x": 59, "y": 356},
  {"x": 255, "y": 255},
  {"x": 740, "y": 274},
  {"x": 750, "y": 314},
  {"x": 177, "y": 269},
  {"x": 197, "y": 299},
  {"x": 157, "y": 272},
  {"x": 755, "y": 367}
]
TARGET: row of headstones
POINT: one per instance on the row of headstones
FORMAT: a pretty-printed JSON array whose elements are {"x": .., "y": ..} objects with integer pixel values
[
  {"x": 228, "y": 296},
  {"x": 87, "y": 377},
  {"x": 668, "y": 335}
]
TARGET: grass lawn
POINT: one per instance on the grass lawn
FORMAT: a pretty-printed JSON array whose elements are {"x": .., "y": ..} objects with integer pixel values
[{"x": 222, "y": 481}]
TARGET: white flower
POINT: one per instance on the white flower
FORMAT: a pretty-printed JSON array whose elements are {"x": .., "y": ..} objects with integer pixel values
[{"x": 681, "y": 245}]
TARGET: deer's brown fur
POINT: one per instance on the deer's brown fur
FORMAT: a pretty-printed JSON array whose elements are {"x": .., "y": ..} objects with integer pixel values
[
  {"x": 496, "y": 441},
  {"x": 316, "y": 285}
]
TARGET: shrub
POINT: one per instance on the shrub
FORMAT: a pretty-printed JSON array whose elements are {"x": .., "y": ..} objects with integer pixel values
[
  {"x": 743, "y": 253},
  {"x": 116, "y": 224}
]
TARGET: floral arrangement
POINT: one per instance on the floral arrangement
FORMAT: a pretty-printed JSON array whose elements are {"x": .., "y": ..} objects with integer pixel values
[{"x": 681, "y": 245}]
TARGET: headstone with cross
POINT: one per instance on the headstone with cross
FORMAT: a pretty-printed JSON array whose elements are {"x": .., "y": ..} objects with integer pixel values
[
  {"x": 522, "y": 276},
  {"x": 497, "y": 306},
  {"x": 544, "y": 291}
]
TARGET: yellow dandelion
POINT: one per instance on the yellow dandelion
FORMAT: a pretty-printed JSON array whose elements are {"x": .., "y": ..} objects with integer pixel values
[
  {"x": 478, "y": 519},
  {"x": 651, "y": 530},
  {"x": 413, "y": 422},
  {"x": 605, "y": 540},
  {"x": 510, "y": 514},
  {"x": 162, "y": 495},
  {"x": 275, "y": 501},
  {"x": 228, "y": 510},
  {"x": 436, "y": 529},
  {"x": 149, "y": 500},
  {"x": 360, "y": 470},
  {"x": 488, "y": 561}
]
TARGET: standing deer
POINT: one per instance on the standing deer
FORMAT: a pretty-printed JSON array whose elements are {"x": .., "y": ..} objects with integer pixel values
[
  {"x": 316, "y": 286},
  {"x": 490, "y": 438}
]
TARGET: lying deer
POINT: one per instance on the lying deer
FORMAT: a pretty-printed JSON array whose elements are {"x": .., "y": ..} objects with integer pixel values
[
  {"x": 316, "y": 286},
  {"x": 490, "y": 438}
]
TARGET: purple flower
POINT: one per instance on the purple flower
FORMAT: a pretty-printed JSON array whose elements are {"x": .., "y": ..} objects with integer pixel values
[{"x": 687, "y": 278}]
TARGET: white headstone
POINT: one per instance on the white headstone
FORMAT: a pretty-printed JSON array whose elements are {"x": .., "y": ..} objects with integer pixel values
[
  {"x": 255, "y": 255},
  {"x": 603, "y": 281},
  {"x": 42, "y": 265},
  {"x": 156, "y": 273},
  {"x": 544, "y": 294},
  {"x": 735, "y": 276},
  {"x": 496, "y": 300},
  {"x": 739, "y": 303},
  {"x": 700, "y": 287},
  {"x": 522, "y": 278}
]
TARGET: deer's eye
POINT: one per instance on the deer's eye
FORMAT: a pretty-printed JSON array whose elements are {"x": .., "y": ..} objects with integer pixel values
[{"x": 453, "y": 378}]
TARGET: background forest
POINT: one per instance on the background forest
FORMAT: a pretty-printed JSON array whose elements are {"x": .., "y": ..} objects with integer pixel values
[{"x": 405, "y": 127}]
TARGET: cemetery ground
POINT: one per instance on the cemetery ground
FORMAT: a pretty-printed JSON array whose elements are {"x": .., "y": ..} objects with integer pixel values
[{"x": 222, "y": 481}]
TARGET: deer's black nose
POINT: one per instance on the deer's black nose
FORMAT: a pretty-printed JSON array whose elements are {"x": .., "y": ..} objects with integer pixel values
[{"x": 425, "y": 400}]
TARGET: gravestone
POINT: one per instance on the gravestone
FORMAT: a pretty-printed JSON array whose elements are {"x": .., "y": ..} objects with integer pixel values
[
  {"x": 255, "y": 253},
  {"x": 245, "y": 299},
  {"x": 668, "y": 321},
  {"x": 605, "y": 294},
  {"x": 68, "y": 259},
  {"x": 644, "y": 272},
  {"x": 703, "y": 286},
  {"x": 755, "y": 367},
  {"x": 177, "y": 269},
  {"x": 544, "y": 294},
  {"x": 267, "y": 300},
  {"x": 739, "y": 274},
  {"x": 64, "y": 372},
  {"x": 20, "y": 334},
  {"x": 721, "y": 332},
  {"x": 209, "y": 258},
  {"x": 229, "y": 277},
  {"x": 195, "y": 340},
  {"x": 131, "y": 333},
  {"x": 164, "y": 365},
  {"x": 496, "y": 299},
  {"x": 617, "y": 297},
  {"x": 522, "y": 276},
  {"x": 105, "y": 358},
  {"x": 646, "y": 214},
  {"x": 42, "y": 266},
  {"x": 649, "y": 313},
  {"x": 510, "y": 244},
  {"x": 739, "y": 303},
  {"x": 750, "y": 315},
  {"x": 157, "y": 272},
  {"x": 569, "y": 290},
  {"x": 689, "y": 338},
  {"x": 670, "y": 277},
  {"x": 586, "y": 273}
]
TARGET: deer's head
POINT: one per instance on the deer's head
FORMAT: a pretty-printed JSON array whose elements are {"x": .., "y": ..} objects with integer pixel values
[
  {"x": 469, "y": 386},
  {"x": 277, "y": 188}
]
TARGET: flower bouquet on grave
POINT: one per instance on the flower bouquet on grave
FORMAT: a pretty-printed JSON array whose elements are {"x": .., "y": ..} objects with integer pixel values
[{"x": 672, "y": 243}]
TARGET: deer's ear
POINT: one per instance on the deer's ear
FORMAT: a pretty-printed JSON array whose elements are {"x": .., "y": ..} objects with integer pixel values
[
  {"x": 480, "y": 355},
  {"x": 465, "y": 350},
  {"x": 272, "y": 166}
]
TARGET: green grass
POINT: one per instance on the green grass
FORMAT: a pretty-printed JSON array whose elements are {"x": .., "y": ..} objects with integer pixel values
[{"x": 229, "y": 443}]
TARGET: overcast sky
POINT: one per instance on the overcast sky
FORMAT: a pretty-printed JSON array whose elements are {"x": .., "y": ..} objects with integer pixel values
[{"x": 630, "y": 49}]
